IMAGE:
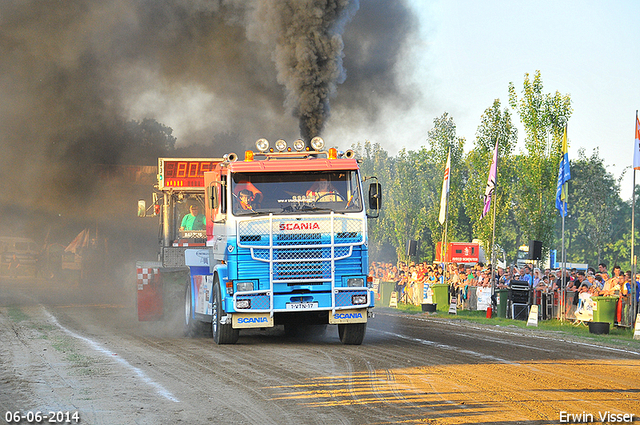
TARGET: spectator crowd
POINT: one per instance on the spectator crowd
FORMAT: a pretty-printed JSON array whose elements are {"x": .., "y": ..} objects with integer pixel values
[{"x": 411, "y": 278}]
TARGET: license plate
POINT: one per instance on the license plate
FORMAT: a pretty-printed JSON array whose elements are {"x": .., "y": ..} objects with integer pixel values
[{"x": 301, "y": 306}]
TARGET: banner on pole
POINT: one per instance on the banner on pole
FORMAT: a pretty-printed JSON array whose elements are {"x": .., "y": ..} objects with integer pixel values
[
  {"x": 445, "y": 190},
  {"x": 564, "y": 175},
  {"x": 491, "y": 183}
]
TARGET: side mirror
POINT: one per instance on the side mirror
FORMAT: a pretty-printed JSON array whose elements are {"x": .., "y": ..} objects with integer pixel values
[
  {"x": 212, "y": 194},
  {"x": 142, "y": 208},
  {"x": 375, "y": 196}
]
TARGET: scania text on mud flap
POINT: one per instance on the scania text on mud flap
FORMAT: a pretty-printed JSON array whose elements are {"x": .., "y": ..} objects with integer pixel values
[{"x": 286, "y": 243}]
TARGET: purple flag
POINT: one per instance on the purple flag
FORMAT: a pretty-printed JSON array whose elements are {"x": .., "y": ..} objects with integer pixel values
[{"x": 491, "y": 183}]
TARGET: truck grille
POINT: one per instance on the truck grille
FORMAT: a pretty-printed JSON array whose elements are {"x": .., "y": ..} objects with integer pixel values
[{"x": 301, "y": 249}]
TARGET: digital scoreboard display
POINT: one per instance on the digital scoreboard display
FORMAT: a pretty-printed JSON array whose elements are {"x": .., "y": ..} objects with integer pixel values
[{"x": 184, "y": 173}]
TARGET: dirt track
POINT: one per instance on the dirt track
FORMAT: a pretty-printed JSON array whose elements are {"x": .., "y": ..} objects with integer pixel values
[{"x": 82, "y": 349}]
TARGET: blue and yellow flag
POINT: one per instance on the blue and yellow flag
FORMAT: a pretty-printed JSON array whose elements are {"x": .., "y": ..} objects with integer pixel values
[{"x": 564, "y": 175}]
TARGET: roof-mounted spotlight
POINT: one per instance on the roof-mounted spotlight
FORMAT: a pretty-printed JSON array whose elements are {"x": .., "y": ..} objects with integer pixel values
[
  {"x": 298, "y": 145},
  {"x": 262, "y": 145},
  {"x": 317, "y": 143},
  {"x": 281, "y": 145}
]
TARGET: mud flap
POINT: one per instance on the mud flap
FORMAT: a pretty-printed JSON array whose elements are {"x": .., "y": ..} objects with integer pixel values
[
  {"x": 348, "y": 316},
  {"x": 149, "y": 293},
  {"x": 252, "y": 320}
]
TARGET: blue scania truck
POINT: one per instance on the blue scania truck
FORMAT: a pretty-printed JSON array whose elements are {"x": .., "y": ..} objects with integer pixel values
[{"x": 284, "y": 240}]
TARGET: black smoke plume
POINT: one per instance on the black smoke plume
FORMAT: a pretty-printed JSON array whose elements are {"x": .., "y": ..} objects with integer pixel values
[
  {"x": 307, "y": 35},
  {"x": 86, "y": 83}
]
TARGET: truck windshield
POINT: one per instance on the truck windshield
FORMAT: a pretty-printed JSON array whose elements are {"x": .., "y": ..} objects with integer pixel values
[{"x": 296, "y": 192}]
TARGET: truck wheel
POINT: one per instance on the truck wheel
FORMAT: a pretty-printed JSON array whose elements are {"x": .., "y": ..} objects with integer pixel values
[
  {"x": 193, "y": 327},
  {"x": 222, "y": 333},
  {"x": 352, "y": 334}
]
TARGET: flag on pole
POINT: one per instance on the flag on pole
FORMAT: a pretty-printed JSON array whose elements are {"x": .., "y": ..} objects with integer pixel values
[
  {"x": 445, "y": 190},
  {"x": 79, "y": 242},
  {"x": 564, "y": 175},
  {"x": 491, "y": 183},
  {"x": 636, "y": 150}
]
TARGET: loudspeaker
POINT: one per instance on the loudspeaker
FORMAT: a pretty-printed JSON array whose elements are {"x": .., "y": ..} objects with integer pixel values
[
  {"x": 535, "y": 250},
  {"x": 412, "y": 248},
  {"x": 519, "y": 292}
]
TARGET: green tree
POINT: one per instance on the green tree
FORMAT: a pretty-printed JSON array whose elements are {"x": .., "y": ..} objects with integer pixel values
[
  {"x": 594, "y": 201},
  {"x": 544, "y": 117},
  {"x": 147, "y": 140},
  {"x": 378, "y": 163},
  {"x": 495, "y": 125},
  {"x": 441, "y": 140},
  {"x": 412, "y": 187},
  {"x": 406, "y": 214}
]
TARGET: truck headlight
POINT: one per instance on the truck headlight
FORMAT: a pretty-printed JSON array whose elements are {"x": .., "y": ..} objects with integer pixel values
[
  {"x": 298, "y": 145},
  {"x": 243, "y": 304},
  {"x": 317, "y": 143},
  {"x": 355, "y": 282},
  {"x": 262, "y": 145},
  {"x": 281, "y": 145},
  {"x": 244, "y": 286},
  {"x": 358, "y": 299}
]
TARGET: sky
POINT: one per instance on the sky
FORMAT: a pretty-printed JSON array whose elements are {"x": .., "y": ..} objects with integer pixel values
[
  {"x": 219, "y": 74},
  {"x": 466, "y": 52}
]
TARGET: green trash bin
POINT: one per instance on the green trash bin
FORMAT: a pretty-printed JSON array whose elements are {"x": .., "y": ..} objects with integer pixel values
[
  {"x": 502, "y": 296},
  {"x": 441, "y": 296},
  {"x": 386, "y": 288},
  {"x": 604, "y": 309}
]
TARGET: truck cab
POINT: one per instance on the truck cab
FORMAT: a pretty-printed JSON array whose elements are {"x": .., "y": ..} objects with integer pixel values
[{"x": 286, "y": 244}]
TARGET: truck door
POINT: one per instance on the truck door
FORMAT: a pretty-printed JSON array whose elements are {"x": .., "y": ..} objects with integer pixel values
[{"x": 216, "y": 210}]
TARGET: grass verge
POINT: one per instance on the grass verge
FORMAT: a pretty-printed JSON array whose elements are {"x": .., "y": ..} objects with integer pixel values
[
  {"x": 617, "y": 335},
  {"x": 17, "y": 315}
]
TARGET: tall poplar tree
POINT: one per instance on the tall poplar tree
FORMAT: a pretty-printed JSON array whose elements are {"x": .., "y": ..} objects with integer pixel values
[
  {"x": 495, "y": 125},
  {"x": 442, "y": 138},
  {"x": 544, "y": 117}
]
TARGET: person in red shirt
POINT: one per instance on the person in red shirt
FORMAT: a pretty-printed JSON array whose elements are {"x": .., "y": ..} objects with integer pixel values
[{"x": 246, "y": 198}]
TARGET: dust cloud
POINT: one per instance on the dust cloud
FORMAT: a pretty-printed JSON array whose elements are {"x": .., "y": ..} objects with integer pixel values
[{"x": 92, "y": 86}]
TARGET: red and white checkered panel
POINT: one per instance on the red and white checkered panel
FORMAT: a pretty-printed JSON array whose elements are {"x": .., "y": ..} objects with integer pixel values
[
  {"x": 145, "y": 275},
  {"x": 149, "y": 293}
]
